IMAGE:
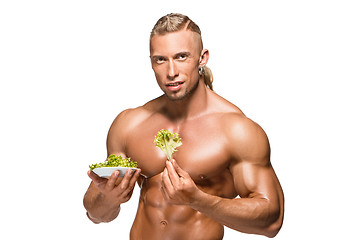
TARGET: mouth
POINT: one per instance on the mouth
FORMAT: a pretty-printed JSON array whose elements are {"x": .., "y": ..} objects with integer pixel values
[{"x": 174, "y": 86}]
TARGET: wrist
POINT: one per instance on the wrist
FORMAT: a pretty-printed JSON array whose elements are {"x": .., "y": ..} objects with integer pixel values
[
  {"x": 102, "y": 210},
  {"x": 94, "y": 220},
  {"x": 204, "y": 201},
  {"x": 103, "y": 215}
]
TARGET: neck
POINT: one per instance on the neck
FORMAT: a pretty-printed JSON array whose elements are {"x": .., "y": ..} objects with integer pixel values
[{"x": 194, "y": 105}]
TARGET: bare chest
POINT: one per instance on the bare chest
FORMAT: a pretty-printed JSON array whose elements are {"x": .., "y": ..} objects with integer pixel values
[{"x": 203, "y": 153}]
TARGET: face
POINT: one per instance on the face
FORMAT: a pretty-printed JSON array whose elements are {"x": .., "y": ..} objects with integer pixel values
[{"x": 175, "y": 59}]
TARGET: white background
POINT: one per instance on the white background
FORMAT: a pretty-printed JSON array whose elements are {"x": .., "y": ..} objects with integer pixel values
[{"x": 67, "y": 68}]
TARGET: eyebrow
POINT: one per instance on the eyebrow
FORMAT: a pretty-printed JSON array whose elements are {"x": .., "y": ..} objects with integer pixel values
[
  {"x": 176, "y": 54},
  {"x": 156, "y": 56},
  {"x": 183, "y": 53}
]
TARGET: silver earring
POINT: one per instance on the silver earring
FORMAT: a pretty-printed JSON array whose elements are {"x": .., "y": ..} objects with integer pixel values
[{"x": 201, "y": 70}]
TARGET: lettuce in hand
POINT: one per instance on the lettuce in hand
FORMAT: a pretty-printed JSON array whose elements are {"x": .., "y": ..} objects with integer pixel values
[{"x": 167, "y": 142}]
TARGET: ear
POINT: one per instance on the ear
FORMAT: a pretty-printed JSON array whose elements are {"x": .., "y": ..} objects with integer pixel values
[{"x": 204, "y": 58}]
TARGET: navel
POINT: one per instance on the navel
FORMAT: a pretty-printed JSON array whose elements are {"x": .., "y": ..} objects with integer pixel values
[{"x": 163, "y": 223}]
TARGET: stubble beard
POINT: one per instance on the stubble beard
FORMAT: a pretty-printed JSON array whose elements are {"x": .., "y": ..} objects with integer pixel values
[{"x": 186, "y": 94}]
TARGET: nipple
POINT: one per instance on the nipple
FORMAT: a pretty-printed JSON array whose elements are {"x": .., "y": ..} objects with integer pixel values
[{"x": 202, "y": 177}]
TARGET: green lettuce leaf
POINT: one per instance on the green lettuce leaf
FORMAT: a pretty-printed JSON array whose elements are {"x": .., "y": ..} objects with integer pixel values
[{"x": 167, "y": 142}]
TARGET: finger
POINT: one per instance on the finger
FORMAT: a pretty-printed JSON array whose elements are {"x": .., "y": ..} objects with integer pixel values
[
  {"x": 178, "y": 169},
  {"x": 128, "y": 196},
  {"x": 166, "y": 183},
  {"x": 163, "y": 187},
  {"x": 165, "y": 195},
  {"x": 172, "y": 173},
  {"x": 112, "y": 180},
  {"x": 134, "y": 177},
  {"x": 124, "y": 182}
]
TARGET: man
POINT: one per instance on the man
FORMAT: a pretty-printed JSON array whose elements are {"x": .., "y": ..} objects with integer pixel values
[{"x": 224, "y": 154}]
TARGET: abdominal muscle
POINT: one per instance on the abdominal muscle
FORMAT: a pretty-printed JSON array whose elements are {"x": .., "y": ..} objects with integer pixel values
[{"x": 156, "y": 219}]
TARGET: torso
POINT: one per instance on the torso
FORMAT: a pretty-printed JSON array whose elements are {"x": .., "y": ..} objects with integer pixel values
[{"x": 203, "y": 155}]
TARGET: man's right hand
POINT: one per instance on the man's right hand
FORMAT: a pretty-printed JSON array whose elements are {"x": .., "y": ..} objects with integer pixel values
[{"x": 116, "y": 190}]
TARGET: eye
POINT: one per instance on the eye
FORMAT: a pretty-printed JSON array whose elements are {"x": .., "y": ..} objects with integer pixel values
[
  {"x": 159, "y": 59},
  {"x": 181, "y": 56}
]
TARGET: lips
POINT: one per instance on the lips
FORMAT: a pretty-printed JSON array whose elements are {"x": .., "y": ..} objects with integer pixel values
[{"x": 174, "y": 86}]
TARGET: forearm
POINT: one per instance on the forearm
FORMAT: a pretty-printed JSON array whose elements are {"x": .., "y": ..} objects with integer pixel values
[
  {"x": 99, "y": 209},
  {"x": 249, "y": 215}
]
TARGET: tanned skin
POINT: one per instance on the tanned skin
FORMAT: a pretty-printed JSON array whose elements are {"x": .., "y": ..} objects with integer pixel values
[{"x": 224, "y": 155}]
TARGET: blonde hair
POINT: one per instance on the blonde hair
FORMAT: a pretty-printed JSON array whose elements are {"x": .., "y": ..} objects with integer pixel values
[{"x": 174, "y": 22}]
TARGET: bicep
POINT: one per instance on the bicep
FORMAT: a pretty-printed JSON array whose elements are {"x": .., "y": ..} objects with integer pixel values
[
  {"x": 253, "y": 174},
  {"x": 116, "y": 138},
  {"x": 260, "y": 184},
  {"x": 256, "y": 181}
]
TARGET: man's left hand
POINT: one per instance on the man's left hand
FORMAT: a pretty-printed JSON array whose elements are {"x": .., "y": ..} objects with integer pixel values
[{"x": 177, "y": 185}]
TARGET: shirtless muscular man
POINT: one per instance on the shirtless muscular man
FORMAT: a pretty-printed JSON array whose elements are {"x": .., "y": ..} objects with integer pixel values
[{"x": 224, "y": 154}]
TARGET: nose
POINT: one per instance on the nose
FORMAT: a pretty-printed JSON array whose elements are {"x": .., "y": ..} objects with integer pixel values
[{"x": 172, "y": 71}]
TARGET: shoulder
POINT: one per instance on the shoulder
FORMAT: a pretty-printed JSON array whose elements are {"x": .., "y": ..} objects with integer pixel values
[
  {"x": 132, "y": 117},
  {"x": 124, "y": 124},
  {"x": 235, "y": 123},
  {"x": 128, "y": 118},
  {"x": 246, "y": 140}
]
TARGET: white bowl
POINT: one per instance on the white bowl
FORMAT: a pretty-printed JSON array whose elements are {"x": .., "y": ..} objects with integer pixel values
[{"x": 107, "y": 171}]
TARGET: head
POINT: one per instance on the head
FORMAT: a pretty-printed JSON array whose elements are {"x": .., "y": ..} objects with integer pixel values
[{"x": 177, "y": 56}]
